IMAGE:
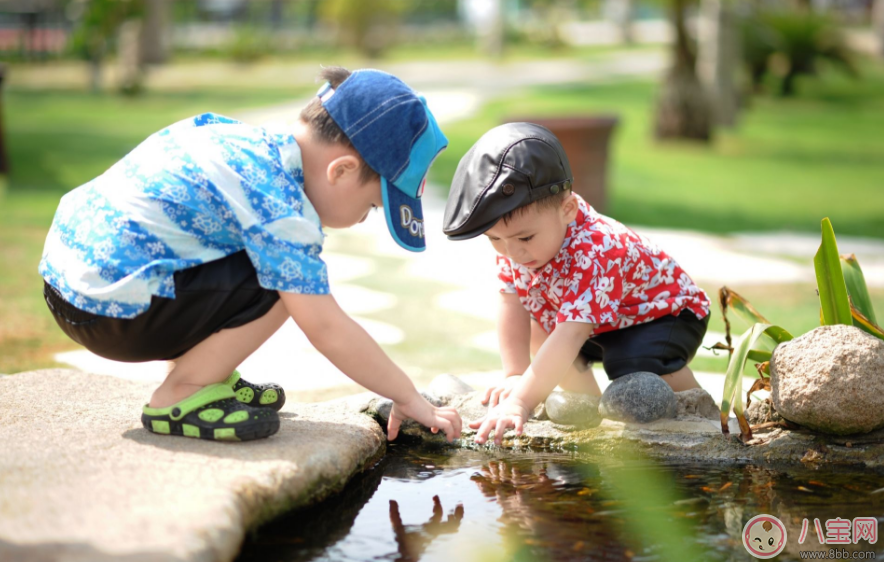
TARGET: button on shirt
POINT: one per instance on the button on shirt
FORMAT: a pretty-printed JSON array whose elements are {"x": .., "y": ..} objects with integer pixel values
[
  {"x": 605, "y": 274},
  {"x": 197, "y": 191}
]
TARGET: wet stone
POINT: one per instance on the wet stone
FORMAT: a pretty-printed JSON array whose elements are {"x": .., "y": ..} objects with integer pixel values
[
  {"x": 639, "y": 398},
  {"x": 380, "y": 408},
  {"x": 572, "y": 408}
]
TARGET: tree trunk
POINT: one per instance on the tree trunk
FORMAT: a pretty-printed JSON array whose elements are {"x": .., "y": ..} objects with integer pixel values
[
  {"x": 129, "y": 57},
  {"x": 719, "y": 59},
  {"x": 95, "y": 73},
  {"x": 683, "y": 110},
  {"x": 878, "y": 24},
  {"x": 787, "y": 86},
  {"x": 155, "y": 32},
  {"x": 621, "y": 14},
  {"x": 491, "y": 38},
  {"x": 4, "y": 160}
]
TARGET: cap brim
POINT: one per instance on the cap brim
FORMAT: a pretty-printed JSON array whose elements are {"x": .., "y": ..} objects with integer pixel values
[
  {"x": 405, "y": 218},
  {"x": 472, "y": 233}
]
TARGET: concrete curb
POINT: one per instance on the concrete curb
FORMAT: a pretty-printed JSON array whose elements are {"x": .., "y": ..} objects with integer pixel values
[{"x": 80, "y": 479}]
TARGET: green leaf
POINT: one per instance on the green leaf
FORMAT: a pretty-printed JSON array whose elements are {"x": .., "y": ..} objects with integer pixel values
[
  {"x": 732, "y": 382},
  {"x": 759, "y": 356},
  {"x": 856, "y": 287},
  {"x": 834, "y": 303}
]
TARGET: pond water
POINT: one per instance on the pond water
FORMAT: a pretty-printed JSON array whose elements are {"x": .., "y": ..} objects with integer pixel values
[{"x": 487, "y": 505}]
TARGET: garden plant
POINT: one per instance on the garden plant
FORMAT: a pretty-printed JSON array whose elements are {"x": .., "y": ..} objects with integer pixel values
[{"x": 844, "y": 299}]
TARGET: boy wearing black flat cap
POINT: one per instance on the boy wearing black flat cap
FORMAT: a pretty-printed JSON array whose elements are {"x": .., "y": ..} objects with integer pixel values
[{"x": 577, "y": 286}]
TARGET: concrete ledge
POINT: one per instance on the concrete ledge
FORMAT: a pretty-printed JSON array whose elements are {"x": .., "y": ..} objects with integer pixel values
[
  {"x": 686, "y": 438},
  {"x": 81, "y": 480}
]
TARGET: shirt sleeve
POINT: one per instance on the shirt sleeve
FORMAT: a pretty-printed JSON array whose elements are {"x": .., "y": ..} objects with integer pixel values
[
  {"x": 283, "y": 263},
  {"x": 505, "y": 274},
  {"x": 592, "y": 295}
]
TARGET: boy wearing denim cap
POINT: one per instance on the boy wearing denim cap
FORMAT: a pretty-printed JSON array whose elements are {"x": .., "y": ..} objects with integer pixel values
[
  {"x": 577, "y": 286},
  {"x": 198, "y": 245}
]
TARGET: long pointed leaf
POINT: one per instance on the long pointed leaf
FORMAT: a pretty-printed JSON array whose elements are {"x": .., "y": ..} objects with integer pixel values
[
  {"x": 857, "y": 288},
  {"x": 742, "y": 307},
  {"x": 864, "y": 324},
  {"x": 834, "y": 302},
  {"x": 728, "y": 299},
  {"x": 733, "y": 378}
]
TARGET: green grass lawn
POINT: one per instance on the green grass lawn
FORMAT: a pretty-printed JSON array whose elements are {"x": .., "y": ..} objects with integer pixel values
[
  {"x": 58, "y": 140},
  {"x": 789, "y": 163}
]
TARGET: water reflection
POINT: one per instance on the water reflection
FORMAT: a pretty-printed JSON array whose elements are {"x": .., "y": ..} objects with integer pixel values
[
  {"x": 549, "y": 510},
  {"x": 414, "y": 539},
  {"x": 480, "y": 505}
]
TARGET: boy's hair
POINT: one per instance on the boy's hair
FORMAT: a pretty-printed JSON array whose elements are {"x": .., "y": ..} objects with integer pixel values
[
  {"x": 548, "y": 202},
  {"x": 324, "y": 127}
]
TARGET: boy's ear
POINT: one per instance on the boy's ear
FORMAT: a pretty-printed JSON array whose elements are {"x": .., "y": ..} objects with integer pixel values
[
  {"x": 342, "y": 167},
  {"x": 570, "y": 207}
]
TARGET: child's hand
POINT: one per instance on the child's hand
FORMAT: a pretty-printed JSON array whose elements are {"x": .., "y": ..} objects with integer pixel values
[
  {"x": 497, "y": 394},
  {"x": 507, "y": 414},
  {"x": 447, "y": 419}
]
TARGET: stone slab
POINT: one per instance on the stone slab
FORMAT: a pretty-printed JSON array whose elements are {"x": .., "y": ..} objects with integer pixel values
[
  {"x": 689, "y": 437},
  {"x": 81, "y": 480}
]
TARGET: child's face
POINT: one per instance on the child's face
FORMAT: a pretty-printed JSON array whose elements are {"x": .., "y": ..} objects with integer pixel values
[{"x": 534, "y": 237}]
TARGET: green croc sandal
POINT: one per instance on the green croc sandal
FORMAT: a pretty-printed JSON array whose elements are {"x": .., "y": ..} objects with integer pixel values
[
  {"x": 256, "y": 395},
  {"x": 212, "y": 413}
]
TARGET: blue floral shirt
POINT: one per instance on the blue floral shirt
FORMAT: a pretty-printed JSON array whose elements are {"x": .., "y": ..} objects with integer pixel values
[{"x": 197, "y": 191}]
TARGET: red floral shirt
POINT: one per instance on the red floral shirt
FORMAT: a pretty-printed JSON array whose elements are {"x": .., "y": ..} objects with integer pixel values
[{"x": 605, "y": 274}]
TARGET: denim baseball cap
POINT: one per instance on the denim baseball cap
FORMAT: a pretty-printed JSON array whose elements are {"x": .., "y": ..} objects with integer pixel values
[{"x": 397, "y": 136}]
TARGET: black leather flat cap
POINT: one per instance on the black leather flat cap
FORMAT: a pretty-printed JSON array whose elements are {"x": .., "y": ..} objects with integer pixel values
[{"x": 511, "y": 166}]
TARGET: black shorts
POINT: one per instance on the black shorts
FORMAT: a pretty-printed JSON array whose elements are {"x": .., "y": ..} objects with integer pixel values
[
  {"x": 208, "y": 298},
  {"x": 662, "y": 346}
]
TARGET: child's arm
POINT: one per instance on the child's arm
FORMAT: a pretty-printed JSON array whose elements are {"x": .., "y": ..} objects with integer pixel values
[
  {"x": 552, "y": 362},
  {"x": 349, "y": 347},
  {"x": 514, "y": 335}
]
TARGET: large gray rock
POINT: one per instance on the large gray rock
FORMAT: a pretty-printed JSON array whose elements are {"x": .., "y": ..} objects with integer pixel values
[
  {"x": 831, "y": 380},
  {"x": 572, "y": 408},
  {"x": 696, "y": 402},
  {"x": 80, "y": 479},
  {"x": 638, "y": 398}
]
